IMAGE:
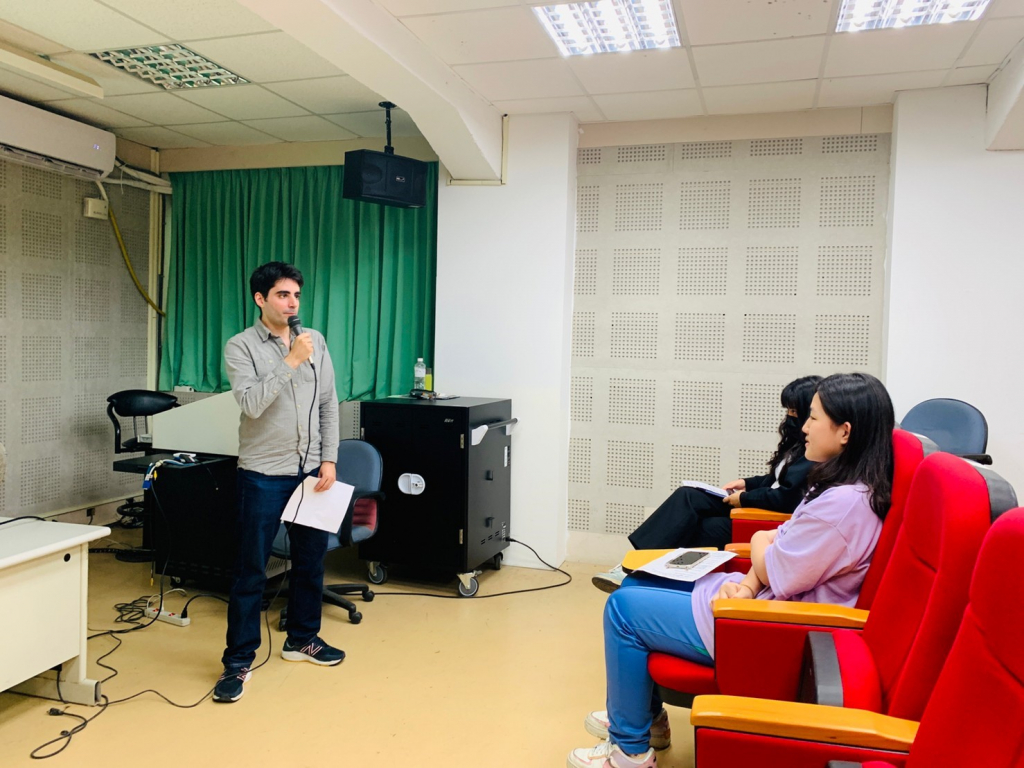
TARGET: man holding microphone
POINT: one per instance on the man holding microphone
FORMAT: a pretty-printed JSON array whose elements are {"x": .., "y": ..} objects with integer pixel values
[{"x": 288, "y": 430}]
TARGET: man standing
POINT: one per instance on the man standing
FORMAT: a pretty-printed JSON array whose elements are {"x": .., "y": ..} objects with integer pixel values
[{"x": 288, "y": 430}]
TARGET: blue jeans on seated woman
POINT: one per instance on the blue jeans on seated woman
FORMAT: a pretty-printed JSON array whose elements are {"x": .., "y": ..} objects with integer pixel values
[
  {"x": 645, "y": 615},
  {"x": 261, "y": 499}
]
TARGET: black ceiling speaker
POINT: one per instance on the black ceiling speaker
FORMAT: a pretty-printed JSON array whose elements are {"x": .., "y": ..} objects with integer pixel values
[{"x": 384, "y": 177}]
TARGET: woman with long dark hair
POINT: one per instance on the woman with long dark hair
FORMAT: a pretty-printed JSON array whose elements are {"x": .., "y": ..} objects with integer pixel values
[
  {"x": 693, "y": 518},
  {"x": 820, "y": 555}
]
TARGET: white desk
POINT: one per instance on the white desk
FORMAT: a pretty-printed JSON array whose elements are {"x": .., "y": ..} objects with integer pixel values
[{"x": 44, "y": 586}]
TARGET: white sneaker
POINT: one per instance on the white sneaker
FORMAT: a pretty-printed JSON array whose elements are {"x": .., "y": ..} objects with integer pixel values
[
  {"x": 610, "y": 580},
  {"x": 608, "y": 755},
  {"x": 661, "y": 732}
]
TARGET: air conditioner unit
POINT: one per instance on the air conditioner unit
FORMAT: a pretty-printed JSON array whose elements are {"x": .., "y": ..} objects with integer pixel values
[{"x": 33, "y": 136}]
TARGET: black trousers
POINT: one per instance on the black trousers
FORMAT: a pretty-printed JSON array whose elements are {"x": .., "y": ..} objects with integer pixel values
[{"x": 687, "y": 518}]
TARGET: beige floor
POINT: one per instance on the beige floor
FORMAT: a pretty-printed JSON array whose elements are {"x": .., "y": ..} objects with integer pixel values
[{"x": 427, "y": 682}]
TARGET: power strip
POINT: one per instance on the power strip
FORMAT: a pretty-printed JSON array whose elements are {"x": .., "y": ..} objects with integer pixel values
[{"x": 169, "y": 616}]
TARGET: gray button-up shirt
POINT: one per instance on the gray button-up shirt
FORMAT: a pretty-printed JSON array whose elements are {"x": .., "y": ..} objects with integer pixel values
[{"x": 276, "y": 426}]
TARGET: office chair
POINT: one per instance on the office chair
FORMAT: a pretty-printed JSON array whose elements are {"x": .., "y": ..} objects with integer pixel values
[
  {"x": 135, "y": 403},
  {"x": 971, "y": 706},
  {"x": 957, "y": 427},
  {"x": 360, "y": 465}
]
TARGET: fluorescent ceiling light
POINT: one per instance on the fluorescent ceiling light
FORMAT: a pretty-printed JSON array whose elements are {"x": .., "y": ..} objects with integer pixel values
[
  {"x": 858, "y": 15},
  {"x": 170, "y": 66},
  {"x": 38, "y": 68},
  {"x": 610, "y": 26}
]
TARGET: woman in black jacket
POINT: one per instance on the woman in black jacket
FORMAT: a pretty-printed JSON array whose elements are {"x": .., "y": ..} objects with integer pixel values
[{"x": 693, "y": 518}]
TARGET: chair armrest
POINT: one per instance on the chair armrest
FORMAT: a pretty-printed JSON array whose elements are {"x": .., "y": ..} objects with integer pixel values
[
  {"x": 786, "y": 612},
  {"x": 749, "y": 513},
  {"x": 739, "y": 549},
  {"x": 807, "y": 722},
  {"x": 980, "y": 458}
]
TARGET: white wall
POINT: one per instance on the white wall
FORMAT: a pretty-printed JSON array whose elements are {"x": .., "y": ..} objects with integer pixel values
[
  {"x": 504, "y": 307},
  {"x": 955, "y": 315}
]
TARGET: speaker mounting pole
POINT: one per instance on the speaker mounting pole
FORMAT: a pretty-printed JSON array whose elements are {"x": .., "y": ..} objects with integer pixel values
[{"x": 388, "y": 106}]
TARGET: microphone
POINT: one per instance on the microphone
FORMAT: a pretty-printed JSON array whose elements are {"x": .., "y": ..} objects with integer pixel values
[{"x": 296, "y": 328}]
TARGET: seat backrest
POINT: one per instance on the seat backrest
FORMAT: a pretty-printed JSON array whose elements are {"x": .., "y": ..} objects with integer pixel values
[
  {"x": 141, "y": 402},
  {"x": 916, "y": 613},
  {"x": 908, "y": 451},
  {"x": 955, "y": 426},
  {"x": 360, "y": 464},
  {"x": 974, "y": 714}
]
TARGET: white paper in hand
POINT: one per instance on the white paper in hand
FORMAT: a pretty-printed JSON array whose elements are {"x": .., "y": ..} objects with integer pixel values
[{"x": 324, "y": 510}]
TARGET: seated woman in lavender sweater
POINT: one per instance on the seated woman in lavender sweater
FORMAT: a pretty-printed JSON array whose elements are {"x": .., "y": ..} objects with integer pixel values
[{"x": 820, "y": 555}]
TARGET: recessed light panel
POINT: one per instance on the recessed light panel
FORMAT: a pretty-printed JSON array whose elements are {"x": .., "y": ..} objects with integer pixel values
[
  {"x": 858, "y": 15},
  {"x": 610, "y": 26},
  {"x": 170, "y": 66}
]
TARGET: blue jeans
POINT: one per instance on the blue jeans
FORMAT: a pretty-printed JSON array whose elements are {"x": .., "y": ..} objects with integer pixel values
[
  {"x": 261, "y": 499},
  {"x": 644, "y": 616}
]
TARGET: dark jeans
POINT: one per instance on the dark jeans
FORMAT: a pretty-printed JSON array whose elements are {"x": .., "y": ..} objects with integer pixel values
[
  {"x": 261, "y": 499},
  {"x": 687, "y": 518}
]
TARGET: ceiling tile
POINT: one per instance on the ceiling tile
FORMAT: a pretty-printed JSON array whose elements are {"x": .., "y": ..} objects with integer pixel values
[
  {"x": 993, "y": 43},
  {"x": 767, "y": 62},
  {"x": 242, "y": 102},
  {"x": 229, "y": 134},
  {"x": 160, "y": 138},
  {"x": 730, "y": 21},
  {"x": 327, "y": 95},
  {"x": 96, "y": 113},
  {"x": 193, "y": 19},
  {"x": 371, "y": 124},
  {"x": 521, "y": 79},
  {"x": 583, "y": 107},
  {"x": 265, "y": 58},
  {"x": 651, "y": 105},
  {"x": 874, "y": 89},
  {"x": 767, "y": 97},
  {"x": 161, "y": 109},
  {"x": 1001, "y": 8},
  {"x": 12, "y": 84},
  {"x": 22, "y": 38},
  {"x": 114, "y": 81},
  {"x": 657, "y": 70},
  {"x": 502, "y": 34},
  {"x": 971, "y": 75},
  {"x": 309, "y": 128},
  {"x": 416, "y": 7},
  {"x": 82, "y": 25},
  {"x": 880, "y": 52}
]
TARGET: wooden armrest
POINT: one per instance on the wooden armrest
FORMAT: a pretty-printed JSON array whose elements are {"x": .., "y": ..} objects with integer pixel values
[
  {"x": 786, "y": 612},
  {"x": 749, "y": 513},
  {"x": 807, "y": 722},
  {"x": 641, "y": 557},
  {"x": 740, "y": 549}
]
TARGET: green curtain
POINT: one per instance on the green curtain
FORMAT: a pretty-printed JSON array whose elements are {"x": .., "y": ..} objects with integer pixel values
[{"x": 370, "y": 274}]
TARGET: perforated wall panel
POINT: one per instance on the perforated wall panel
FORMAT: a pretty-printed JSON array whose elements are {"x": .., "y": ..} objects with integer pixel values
[
  {"x": 71, "y": 323},
  {"x": 708, "y": 275}
]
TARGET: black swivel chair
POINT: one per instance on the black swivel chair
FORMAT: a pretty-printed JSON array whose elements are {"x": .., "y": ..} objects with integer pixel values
[
  {"x": 955, "y": 426},
  {"x": 135, "y": 403},
  {"x": 360, "y": 465}
]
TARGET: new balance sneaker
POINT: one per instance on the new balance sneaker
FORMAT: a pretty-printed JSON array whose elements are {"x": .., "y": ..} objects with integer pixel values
[
  {"x": 229, "y": 685},
  {"x": 315, "y": 651},
  {"x": 661, "y": 732},
  {"x": 608, "y": 755},
  {"x": 610, "y": 580}
]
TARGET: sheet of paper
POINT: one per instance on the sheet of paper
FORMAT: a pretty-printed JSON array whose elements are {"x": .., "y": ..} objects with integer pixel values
[
  {"x": 324, "y": 510},
  {"x": 714, "y": 490},
  {"x": 657, "y": 566}
]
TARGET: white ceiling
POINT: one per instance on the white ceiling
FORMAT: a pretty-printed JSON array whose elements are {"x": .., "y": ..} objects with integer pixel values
[{"x": 739, "y": 56}]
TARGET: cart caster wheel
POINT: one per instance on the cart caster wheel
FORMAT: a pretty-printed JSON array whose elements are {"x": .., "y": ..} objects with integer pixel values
[
  {"x": 377, "y": 573},
  {"x": 355, "y": 617},
  {"x": 496, "y": 561},
  {"x": 177, "y": 581},
  {"x": 368, "y": 596},
  {"x": 474, "y": 587}
]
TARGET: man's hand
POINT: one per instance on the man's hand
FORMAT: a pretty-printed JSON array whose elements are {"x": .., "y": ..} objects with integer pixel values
[
  {"x": 734, "y": 589},
  {"x": 733, "y": 500},
  {"x": 735, "y": 485},
  {"x": 301, "y": 351},
  {"x": 327, "y": 474}
]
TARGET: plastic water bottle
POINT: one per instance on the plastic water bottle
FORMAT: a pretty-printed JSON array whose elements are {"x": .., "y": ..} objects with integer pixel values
[{"x": 419, "y": 374}]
